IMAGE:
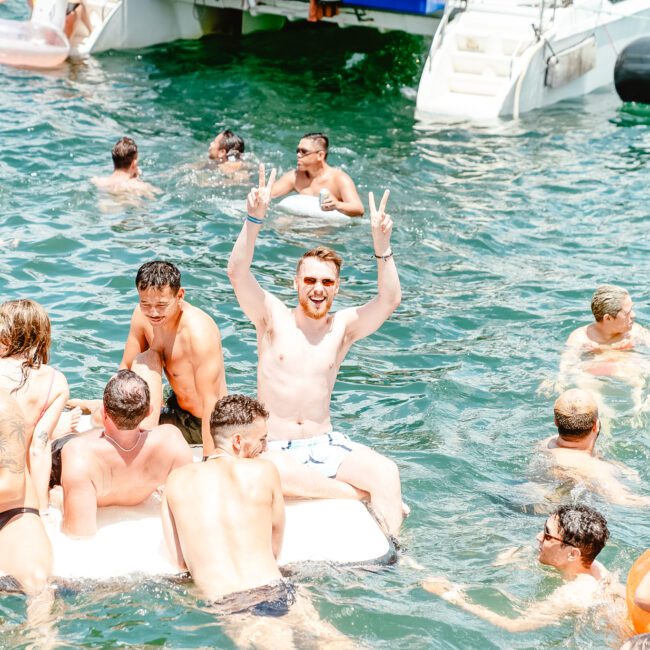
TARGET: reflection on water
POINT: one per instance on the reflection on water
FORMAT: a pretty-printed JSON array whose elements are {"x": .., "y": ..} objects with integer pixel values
[{"x": 502, "y": 231}]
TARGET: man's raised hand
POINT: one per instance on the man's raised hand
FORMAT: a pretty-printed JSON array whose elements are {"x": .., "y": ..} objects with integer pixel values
[
  {"x": 381, "y": 224},
  {"x": 259, "y": 197}
]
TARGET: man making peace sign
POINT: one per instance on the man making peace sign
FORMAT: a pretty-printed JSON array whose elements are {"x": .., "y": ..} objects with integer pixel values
[{"x": 300, "y": 350}]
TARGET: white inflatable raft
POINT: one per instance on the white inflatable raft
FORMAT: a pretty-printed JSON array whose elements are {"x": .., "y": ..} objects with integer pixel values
[
  {"x": 304, "y": 205},
  {"x": 130, "y": 540},
  {"x": 32, "y": 45}
]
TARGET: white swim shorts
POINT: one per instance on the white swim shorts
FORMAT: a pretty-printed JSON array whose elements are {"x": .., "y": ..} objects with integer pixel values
[{"x": 324, "y": 453}]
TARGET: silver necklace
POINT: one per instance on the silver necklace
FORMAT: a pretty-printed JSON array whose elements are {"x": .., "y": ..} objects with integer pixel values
[{"x": 119, "y": 446}]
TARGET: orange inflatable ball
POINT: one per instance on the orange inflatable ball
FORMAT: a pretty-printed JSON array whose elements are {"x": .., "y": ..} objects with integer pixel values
[{"x": 639, "y": 617}]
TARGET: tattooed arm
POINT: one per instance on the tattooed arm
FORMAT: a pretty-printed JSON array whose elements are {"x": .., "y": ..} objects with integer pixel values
[
  {"x": 12, "y": 451},
  {"x": 40, "y": 451}
]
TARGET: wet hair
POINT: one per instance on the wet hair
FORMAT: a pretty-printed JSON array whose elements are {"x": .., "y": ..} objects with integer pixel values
[
  {"x": 232, "y": 143},
  {"x": 124, "y": 153},
  {"x": 322, "y": 253},
  {"x": 234, "y": 411},
  {"x": 584, "y": 528},
  {"x": 126, "y": 399},
  {"x": 25, "y": 331},
  {"x": 320, "y": 139},
  {"x": 575, "y": 416},
  {"x": 158, "y": 275},
  {"x": 607, "y": 299},
  {"x": 638, "y": 642}
]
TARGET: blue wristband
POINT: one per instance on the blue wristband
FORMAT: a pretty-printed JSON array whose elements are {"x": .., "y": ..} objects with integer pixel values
[{"x": 254, "y": 220}]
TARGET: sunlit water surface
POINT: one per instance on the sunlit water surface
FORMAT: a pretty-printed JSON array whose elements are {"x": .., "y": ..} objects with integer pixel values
[{"x": 501, "y": 233}]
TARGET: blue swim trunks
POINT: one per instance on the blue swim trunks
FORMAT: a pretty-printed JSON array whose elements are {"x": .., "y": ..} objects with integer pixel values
[{"x": 324, "y": 453}]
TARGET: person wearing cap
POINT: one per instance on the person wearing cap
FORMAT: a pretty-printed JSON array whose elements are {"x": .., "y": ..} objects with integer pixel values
[
  {"x": 571, "y": 539},
  {"x": 312, "y": 174},
  {"x": 572, "y": 451}
]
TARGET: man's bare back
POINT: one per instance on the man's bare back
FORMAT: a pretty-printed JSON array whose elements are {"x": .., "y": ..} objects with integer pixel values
[
  {"x": 96, "y": 472},
  {"x": 225, "y": 528},
  {"x": 120, "y": 183}
]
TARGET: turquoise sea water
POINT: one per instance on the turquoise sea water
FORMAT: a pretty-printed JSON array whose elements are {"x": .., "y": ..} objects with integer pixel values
[{"x": 502, "y": 231}]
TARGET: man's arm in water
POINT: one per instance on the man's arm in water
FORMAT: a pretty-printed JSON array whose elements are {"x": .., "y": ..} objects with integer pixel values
[
  {"x": 363, "y": 321},
  {"x": 563, "y": 601},
  {"x": 169, "y": 530},
  {"x": 79, "y": 496},
  {"x": 283, "y": 185},
  {"x": 254, "y": 301},
  {"x": 350, "y": 202},
  {"x": 135, "y": 341}
]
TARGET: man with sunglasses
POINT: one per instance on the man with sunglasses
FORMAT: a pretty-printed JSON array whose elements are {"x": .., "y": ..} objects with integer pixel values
[
  {"x": 571, "y": 539},
  {"x": 572, "y": 450},
  {"x": 312, "y": 174},
  {"x": 300, "y": 350}
]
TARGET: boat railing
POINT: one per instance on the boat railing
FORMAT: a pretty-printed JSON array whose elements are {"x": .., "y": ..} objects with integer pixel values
[{"x": 547, "y": 9}]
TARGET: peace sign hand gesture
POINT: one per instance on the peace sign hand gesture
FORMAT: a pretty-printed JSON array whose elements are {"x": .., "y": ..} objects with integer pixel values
[
  {"x": 259, "y": 197},
  {"x": 381, "y": 224}
]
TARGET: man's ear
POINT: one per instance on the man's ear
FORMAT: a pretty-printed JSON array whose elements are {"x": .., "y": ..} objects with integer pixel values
[
  {"x": 236, "y": 443},
  {"x": 575, "y": 554},
  {"x": 150, "y": 411},
  {"x": 295, "y": 282},
  {"x": 181, "y": 293}
]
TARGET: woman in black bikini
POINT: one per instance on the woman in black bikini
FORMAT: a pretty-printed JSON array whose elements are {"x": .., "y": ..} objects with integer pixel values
[{"x": 40, "y": 390}]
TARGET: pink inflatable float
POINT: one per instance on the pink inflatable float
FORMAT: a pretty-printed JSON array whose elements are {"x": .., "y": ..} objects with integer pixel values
[{"x": 39, "y": 43}]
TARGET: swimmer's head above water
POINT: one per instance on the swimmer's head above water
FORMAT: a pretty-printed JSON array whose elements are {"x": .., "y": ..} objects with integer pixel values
[
  {"x": 125, "y": 157},
  {"x": 576, "y": 415},
  {"x": 573, "y": 536},
  {"x": 312, "y": 151},
  {"x": 160, "y": 292},
  {"x": 612, "y": 308},
  {"x": 226, "y": 147},
  {"x": 238, "y": 426}
]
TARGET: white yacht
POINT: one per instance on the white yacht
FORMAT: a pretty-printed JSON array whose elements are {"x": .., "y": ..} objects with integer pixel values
[{"x": 492, "y": 58}]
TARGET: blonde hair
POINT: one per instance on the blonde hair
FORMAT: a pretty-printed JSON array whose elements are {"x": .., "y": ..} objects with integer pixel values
[
  {"x": 25, "y": 331},
  {"x": 607, "y": 299}
]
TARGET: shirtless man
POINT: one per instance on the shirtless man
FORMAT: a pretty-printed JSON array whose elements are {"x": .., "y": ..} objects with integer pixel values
[
  {"x": 224, "y": 521},
  {"x": 572, "y": 450},
  {"x": 572, "y": 538},
  {"x": 168, "y": 333},
  {"x": 608, "y": 348},
  {"x": 25, "y": 550},
  {"x": 120, "y": 464},
  {"x": 300, "y": 351},
  {"x": 126, "y": 173},
  {"x": 312, "y": 173}
]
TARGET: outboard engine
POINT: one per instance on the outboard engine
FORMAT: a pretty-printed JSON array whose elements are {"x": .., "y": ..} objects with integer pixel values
[{"x": 632, "y": 72}]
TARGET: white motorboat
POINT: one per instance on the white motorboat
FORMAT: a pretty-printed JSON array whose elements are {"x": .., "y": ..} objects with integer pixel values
[{"x": 494, "y": 58}]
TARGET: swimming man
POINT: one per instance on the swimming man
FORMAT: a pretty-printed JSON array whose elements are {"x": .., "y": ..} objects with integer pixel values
[
  {"x": 572, "y": 449},
  {"x": 224, "y": 522},
  {"x": 312, "y": 174},
  {"x": 120, "y": 464},
  {"x": 126, "y": 173},
  {"x": 572, "y": 538},
  {"x": 300, "y": 350}
]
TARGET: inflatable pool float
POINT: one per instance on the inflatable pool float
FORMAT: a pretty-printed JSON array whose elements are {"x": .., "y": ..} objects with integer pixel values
[
  {"x": 129, "y": 540},
  {"x": 639, "y": 617},
  {"x": 32, "y": 45},
  {"x": 304, "y": 205}
]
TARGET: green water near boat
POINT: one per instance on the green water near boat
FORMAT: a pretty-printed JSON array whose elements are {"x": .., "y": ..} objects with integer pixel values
[{"x": 502, "y": 231}]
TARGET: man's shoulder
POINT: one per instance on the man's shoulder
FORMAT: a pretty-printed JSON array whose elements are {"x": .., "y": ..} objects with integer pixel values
[
  {"x": 579, "y": 336},
  {"x": 256, "y": 467},
  {"x": 195, "y": 316}
]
